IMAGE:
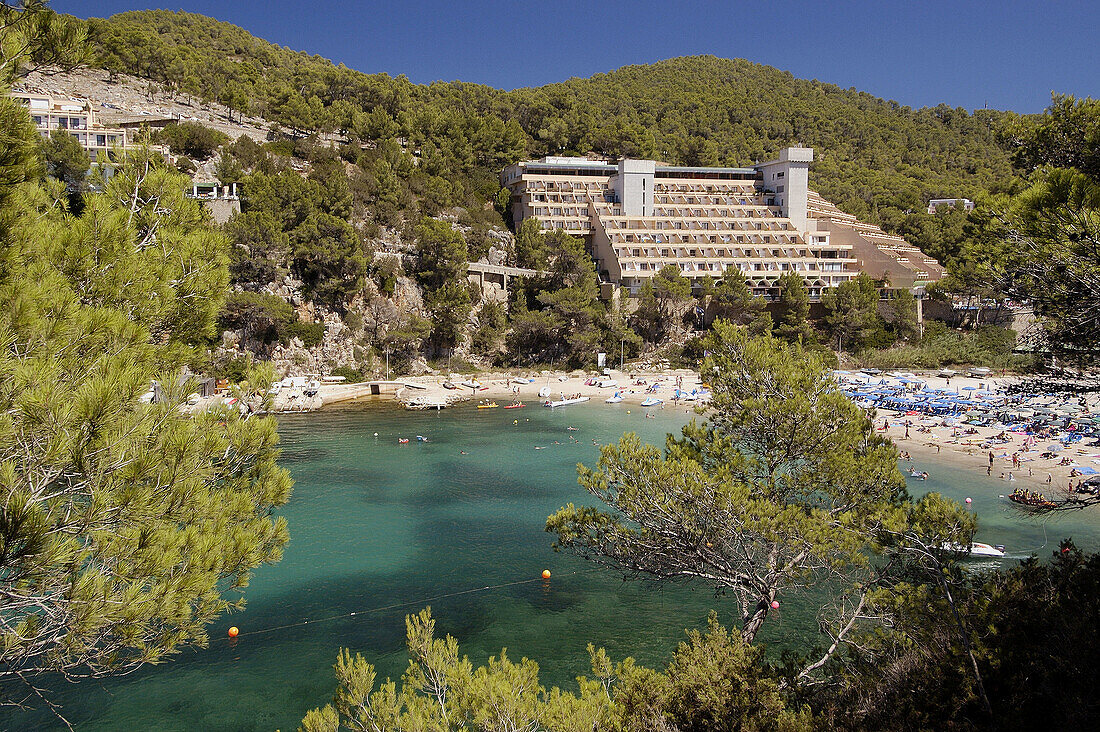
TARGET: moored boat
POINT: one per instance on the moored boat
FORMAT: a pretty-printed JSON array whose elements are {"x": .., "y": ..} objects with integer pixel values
[
  {"x": 488, "y": 405},
  {"x": 652, "y": 402},
  {"x": 566, "y": 402},
  {"x": 515, "y": 405}
]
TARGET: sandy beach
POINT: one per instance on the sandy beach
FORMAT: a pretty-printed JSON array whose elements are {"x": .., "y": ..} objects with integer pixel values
[
  {"x": 967, "y": 447},
  {"x": 504, "y": 388}
]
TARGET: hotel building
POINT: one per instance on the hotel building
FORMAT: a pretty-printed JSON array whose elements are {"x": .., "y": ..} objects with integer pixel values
[
  {"x": 638, "y": 216},
  {"x": 79, "y": 120}
]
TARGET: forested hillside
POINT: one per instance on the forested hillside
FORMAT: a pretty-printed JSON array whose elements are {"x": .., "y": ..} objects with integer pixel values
[
  {"x": 361, "y": 209},
  {"x": 876, "y": 159}
]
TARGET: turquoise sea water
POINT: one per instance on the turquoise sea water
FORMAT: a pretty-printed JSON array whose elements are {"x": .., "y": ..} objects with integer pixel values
[{"x": 381, "y": 529}]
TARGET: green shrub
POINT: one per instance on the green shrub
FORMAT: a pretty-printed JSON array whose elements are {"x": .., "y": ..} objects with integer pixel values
[
  {"x": 236, "y": 370},
  {"x": 311, "y": 334},
  {"x": 353, "y": 376},
  {"x": 263, "y": 315},
  {"x": 989, "y": 345},
  {"x": 192, "y": 139}
]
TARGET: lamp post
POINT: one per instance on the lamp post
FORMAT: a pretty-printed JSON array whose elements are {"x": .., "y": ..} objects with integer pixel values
[
  {"x": 387, "y": 364},
  {"x": 622, "y": 352}
]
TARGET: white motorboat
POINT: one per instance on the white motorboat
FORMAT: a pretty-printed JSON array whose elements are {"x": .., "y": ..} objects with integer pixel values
[
  {"x": 977, "y": 549},
  {"x": 607, "y": 383},
  {"x": 472, "y": 384},
  {"x": 652, "y": 402},
  {"x": 566, "y": 402},
  {"x": 614, "y": 399}
]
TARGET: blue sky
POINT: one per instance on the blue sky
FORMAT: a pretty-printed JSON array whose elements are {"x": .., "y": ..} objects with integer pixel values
[{"x": 1007, "y": 54}]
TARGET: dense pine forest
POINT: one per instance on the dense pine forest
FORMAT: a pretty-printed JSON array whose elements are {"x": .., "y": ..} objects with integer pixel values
[
  {"x": 356, "y": 164},
  {"x": 875, "y": 158}
]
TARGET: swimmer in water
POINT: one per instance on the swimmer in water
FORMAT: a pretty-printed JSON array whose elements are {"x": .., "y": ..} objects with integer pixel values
[{"x": 463, "y": 452}]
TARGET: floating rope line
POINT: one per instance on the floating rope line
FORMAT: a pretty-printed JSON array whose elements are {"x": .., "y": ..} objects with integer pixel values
[{"x": 396, "y": 605}]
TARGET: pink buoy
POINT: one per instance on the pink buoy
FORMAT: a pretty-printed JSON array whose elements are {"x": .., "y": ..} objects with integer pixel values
[
  {"x": 775, "y": 604},
  {"x": 968, "y": 499}
]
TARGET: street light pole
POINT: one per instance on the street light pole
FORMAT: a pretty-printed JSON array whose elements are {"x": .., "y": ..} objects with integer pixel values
[{"x": 622, "y": 352}]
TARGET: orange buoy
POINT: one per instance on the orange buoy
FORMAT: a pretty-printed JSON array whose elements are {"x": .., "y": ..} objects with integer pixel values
[
  {"x": 546, "y": 574},
  {"x": 233, "y": 632}
]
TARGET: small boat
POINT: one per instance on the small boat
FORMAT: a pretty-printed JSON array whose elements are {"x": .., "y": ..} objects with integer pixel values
[
  {"x": 607, "y": 383},
  {"x": 515, "y": 405},
  {"x": 977, "y": 549},
  {"x": 488, "y": 405},
  {"x": 652, "y": 402},
  {"x": 449, "y": 385},
  {"x": 566, "y": 402},
  {"x": 471, "y": 384},
  {"x": 402, "y": 440},
  {"x": 421, "y": 438},
  {"x": 614, "y": 399}
]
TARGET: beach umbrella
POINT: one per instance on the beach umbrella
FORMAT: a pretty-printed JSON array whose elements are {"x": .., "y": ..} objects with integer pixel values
[
  {"x": 970, "y": 388},
  {"x": 1086, "y": 470}
]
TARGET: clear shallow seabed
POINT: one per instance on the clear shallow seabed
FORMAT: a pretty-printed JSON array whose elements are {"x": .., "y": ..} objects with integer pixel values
[{"x": 381, "y": 530}]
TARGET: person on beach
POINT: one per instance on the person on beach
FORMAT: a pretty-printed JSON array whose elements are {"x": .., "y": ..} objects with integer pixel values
[
  {"x": 906, "y": 431},
  {"x": 989, "y": 469}
]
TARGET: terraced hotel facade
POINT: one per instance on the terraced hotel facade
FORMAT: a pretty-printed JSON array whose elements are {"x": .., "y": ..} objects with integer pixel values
[{"x": 638, "y": 216}]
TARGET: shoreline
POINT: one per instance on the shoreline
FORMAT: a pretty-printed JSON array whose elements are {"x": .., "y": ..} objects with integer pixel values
[
  {"x": 931, "y": 447},
  {"x": 427, "y": 392},
  {"x": 971, "y": 453}
]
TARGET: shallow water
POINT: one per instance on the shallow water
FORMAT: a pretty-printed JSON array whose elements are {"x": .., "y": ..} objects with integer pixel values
[{"x": 379, "y": 530}]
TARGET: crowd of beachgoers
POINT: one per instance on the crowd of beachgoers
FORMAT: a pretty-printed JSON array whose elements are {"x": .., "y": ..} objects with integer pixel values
[{"x": 998, "y": 427}]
